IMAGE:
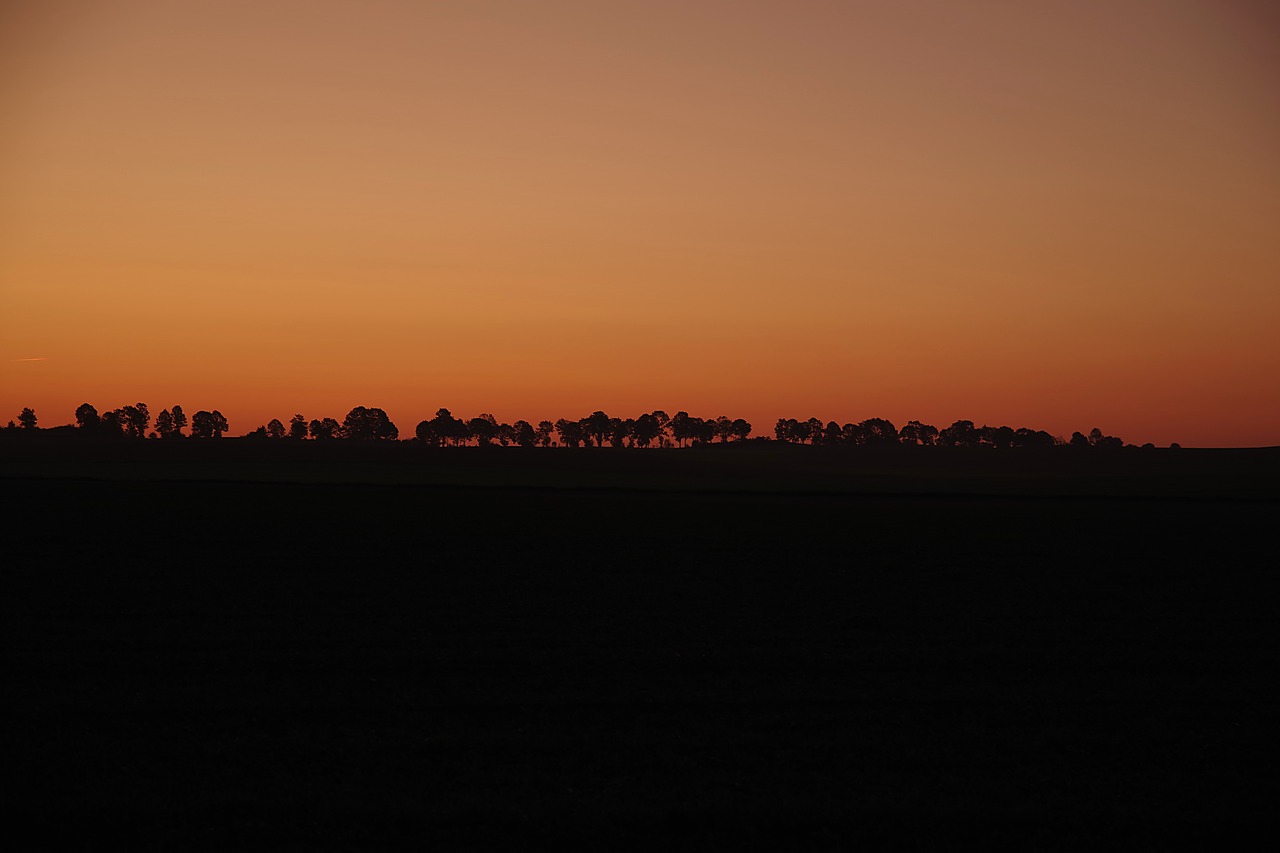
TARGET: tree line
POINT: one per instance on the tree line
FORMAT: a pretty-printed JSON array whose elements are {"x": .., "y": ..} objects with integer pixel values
[
  {"x": 880, "y": 432},
  {"x": 135, "y": 422},
  {"x": 652, "y": 429}
]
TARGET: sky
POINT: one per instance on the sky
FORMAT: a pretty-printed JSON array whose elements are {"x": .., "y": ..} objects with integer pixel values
[{"x": 1050, "y": 214}]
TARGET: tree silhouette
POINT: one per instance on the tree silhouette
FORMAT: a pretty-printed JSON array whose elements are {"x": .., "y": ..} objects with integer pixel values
[
  {"x": 878, "y": 432},
  {"x": 524, "y": 434},
  {"x": 813, "y": 430},
  {"x": 444, "y": 428},
  {"x": 570, "y": 432},
  {"x": 681, "y": 426},
  {"x": 704, "y": 431},
  {"x": 741, "y": 429},
  {"x": 544, "y": 430},
  {"x": 297, "y": 427},
  {"x": 959, "y": 434},
  {"x": 275, "y": 429},
  {"x": 363, "y": 424},
  {"x": 208, "y": 424},
  {"x": 164, "y": 424},
  {"x": 646, "y": 429},
  {"x": 110, "y": 424},
  {"x": 459, "y": 432},
  {"x": 664, "y": 425},
  {"x": 86, "y": 417},
  {"x": 596, "y": 426},
  {"x": 1098, "y": 439},
  {"x": 135, "y": 419},
  {"x": 914, "y": 432},
  {"x": 1024, "y": 437},
  {"x": 1001, "y": 436},
  {"x": 27, "y": 418},
  {"x": 425, "y": 432},
  {"x": 620, "y": 431},
  {"x": 483, "y": 429},
  {"x": 325, "y": 429},
  {"x": 832, "y": 433},
  {"x": 506, "y": 434}
]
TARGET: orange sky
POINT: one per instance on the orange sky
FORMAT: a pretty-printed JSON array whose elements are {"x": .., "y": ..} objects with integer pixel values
[{"x": 1059, "y": 215}]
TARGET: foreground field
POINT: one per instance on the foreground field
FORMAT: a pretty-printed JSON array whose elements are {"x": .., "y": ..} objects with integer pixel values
[
  {"x": 240, "y": 664},
  {"x": 754, "y": 467}
]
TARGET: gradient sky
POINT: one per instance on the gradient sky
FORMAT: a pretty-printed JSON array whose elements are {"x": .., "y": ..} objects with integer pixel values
[{"x": 1053, "y": 214}]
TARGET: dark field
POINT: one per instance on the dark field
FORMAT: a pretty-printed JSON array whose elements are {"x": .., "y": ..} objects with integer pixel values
[{"x": 1069, "y": 655}]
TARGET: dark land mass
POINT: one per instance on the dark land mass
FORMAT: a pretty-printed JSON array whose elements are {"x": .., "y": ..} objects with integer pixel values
[{"x": 210, "y": 646}]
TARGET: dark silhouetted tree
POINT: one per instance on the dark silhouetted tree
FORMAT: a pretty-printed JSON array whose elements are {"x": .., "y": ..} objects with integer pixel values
[
  {"x": 27, "y": 418},
  {"x": 544, "y": 430},
  {"x": 164, "y": 424},
  {"x": 925, "y": 435},
  {"x": 523, "y": 433},
  {"x": 323, "y": 429},
  {"x": 596, "y": 427},
  {"x": 570, "y": 432},
  {"x": 440, "y": 429},
  {"x": 1099, "y": 439},
  {"x": 664, "y": 426},
  {"x": 298, "y": 427},
  {"x": 833, "y": 433},
  {"x": 815, "y": 431},
  {"x": 136, "y": 419},
  {"x": 426, "y": 433},
  {"x": 369, "y": 424},
  {"x": 446, "y": 429},
  {"x": 110, "y": 424},
  {"x": 741, "y": 429},
  {"x": 179, "y": 421},
  {"x": 483, "y": 430},
  {"x": 620, "y": 431},
  {"x": 681, "y": 427},
  {"x": 878, "y": 432},
  {"x": 704, "y": 431},
  {"x": 208, "y": 424},
  {"x": 1001, "y": 437},
  {"x": 275, "y": 429},
  {"x": 86, "y": 417},
  {"x": 959, "y": 434},
  {"x": 646, "y": 429},
  {"x": 1078, "y": 439},
  {"x": 1024, "y": 437},
  {"x": 506, "y": 434}
]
